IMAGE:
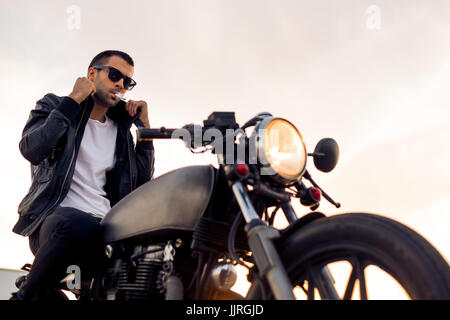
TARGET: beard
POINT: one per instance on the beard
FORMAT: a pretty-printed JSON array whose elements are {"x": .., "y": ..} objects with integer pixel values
[{"x": 103, "y": 97}]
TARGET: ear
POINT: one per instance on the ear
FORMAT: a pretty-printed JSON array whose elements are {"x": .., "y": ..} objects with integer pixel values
[{"x": 91, "y": 74}]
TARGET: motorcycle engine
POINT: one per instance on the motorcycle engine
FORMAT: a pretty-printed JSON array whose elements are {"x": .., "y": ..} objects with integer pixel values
[{"x": 143, "y": 276}]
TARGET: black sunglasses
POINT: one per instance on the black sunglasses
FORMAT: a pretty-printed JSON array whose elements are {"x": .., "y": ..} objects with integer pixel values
[{"x": 115, "y": 75}]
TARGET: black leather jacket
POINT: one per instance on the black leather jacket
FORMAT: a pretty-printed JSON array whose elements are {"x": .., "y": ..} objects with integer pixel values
[{"x": 51, "y": 140}]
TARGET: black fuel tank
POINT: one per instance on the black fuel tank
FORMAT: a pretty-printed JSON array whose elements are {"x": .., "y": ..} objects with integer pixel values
[{"x": 173, "y": 201}]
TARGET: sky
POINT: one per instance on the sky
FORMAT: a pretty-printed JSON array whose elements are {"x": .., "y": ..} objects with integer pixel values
[{"x": 373, "y": 75}]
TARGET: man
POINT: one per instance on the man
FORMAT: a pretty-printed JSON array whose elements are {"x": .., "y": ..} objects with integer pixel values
[{"x": 83, "y": 161}]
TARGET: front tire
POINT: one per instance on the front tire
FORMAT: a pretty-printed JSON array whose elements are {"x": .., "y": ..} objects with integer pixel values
[{"x": 363, "y": 240}]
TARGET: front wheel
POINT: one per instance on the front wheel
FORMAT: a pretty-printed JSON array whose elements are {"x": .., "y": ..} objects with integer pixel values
[{"x": 365, "y": 243}]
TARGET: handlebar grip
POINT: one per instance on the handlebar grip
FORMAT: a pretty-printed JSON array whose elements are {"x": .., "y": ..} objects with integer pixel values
[{"x": 146, "y": 134}]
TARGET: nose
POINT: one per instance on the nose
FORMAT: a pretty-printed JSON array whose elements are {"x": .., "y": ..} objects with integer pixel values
[{"x": 119, "y": 84}]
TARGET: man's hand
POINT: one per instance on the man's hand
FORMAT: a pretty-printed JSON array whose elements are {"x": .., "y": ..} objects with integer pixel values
[
  {"x": 82, "y": 89},
  {"x": 132, "y": 106}
]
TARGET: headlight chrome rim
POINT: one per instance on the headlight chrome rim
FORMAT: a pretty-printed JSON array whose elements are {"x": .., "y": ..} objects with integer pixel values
[{"x": 264, "y": 161}]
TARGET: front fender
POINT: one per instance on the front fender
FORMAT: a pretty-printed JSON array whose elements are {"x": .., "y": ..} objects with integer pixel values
[{"x": 300, "y": 223}]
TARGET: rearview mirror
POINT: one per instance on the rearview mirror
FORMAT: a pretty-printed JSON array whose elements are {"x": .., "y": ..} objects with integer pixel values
[{"x": 326, "y": 154}]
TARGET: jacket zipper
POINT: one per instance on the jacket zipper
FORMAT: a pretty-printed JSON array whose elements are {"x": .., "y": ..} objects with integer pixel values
[
  {"x": 129, "y": 153},
  {"x": 129, "y": 160},
  {"x": 73, "y": 155}
]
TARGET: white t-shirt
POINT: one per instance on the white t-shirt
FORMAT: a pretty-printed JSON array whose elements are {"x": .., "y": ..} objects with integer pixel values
[{"x": 95, "y": 157}]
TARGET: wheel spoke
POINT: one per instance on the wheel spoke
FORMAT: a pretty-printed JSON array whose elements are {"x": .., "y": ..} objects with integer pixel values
[
  {"x": 311, "y": 293},
  {"x": 317, "y": 279},
  {"x": 362, "y": 281},
  {"x": 357, "y": 273},
  {"x": 327, "y": 284},
  {"x": 311, "y": 284},
  {"x": 303, "y": 288},
  {"x": 350, "y": 285}
]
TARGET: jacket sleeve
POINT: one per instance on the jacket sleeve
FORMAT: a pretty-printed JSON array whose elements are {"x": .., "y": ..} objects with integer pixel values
[
  {"x": 46, "y": 125},
  {"x": 145, "y": 156}
]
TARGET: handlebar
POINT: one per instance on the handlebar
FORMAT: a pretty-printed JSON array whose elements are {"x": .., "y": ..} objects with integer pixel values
[
  {"x": 218, "y": 120},
  {"x": 146, "y": 134},
  {"x": 189, "y": 134}
]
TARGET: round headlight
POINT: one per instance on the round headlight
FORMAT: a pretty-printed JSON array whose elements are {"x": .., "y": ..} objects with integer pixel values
[{"x": 281, "y": 150}]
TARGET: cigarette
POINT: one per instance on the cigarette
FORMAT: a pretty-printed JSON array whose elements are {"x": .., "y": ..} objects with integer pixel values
[{"x": 118, "y": 95}]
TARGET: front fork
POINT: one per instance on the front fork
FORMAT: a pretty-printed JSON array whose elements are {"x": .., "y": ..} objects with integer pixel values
[{"x": 260, "y": 239}]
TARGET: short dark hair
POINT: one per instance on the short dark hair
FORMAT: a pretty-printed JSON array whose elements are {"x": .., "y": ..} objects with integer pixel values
[{"x": 104, "y": 56}]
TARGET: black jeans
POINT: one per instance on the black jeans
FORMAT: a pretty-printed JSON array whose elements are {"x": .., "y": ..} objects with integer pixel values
[{"x": 66, "y": 237}]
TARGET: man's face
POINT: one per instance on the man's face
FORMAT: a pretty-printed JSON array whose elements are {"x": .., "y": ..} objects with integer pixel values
[{"x": 105, "y": 88}]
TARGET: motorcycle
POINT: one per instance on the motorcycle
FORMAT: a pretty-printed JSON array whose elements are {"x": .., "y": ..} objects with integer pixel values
[{"x": 184, "y": 234}]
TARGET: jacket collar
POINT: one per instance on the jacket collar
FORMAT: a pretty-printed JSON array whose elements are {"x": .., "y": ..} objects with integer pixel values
[{"x": 118, "y": 113}]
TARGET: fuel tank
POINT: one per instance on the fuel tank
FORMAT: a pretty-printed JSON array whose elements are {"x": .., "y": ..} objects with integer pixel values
[{"x": 173, "y": 201}]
